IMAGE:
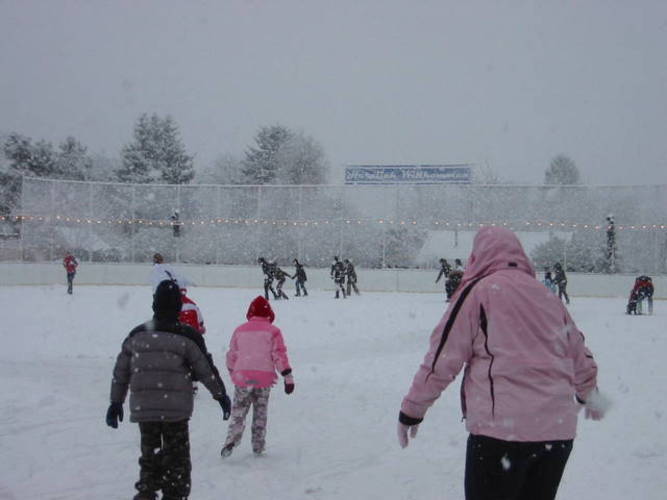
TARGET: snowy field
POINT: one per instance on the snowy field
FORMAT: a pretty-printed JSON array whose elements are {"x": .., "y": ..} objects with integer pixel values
[{"x": 334, "y": 438}]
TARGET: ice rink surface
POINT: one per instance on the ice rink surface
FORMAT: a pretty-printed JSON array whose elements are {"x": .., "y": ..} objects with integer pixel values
[{"x": 334, "y": 438}]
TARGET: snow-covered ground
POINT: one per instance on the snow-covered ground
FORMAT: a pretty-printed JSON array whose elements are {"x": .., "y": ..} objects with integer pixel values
[{"x": 334, "y": 438}]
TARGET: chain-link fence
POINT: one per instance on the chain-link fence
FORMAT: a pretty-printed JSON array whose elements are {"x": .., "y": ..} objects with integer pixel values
[{"x": 376, "y": 226}]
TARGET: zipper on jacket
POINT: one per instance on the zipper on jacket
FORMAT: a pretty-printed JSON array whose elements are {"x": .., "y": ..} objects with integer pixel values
[{"x": 483, "y": 323}]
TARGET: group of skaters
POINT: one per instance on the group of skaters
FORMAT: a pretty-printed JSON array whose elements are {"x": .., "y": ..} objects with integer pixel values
[
  {"x": 342, "y": 273},
  {"x": 272, "y": 272},
  {"x": 162, "y": 358},
  {"x": 344, "y": 276},
  {"x": 556, "y": 281},
  {"x": 452, "y": 275}
]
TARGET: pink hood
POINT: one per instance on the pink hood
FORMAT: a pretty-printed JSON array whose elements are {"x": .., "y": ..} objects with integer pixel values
[{"x": 493, "y": 249}]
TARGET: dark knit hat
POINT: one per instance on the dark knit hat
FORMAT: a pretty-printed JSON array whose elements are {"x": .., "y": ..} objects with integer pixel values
[{"x": 167, "y": 298}]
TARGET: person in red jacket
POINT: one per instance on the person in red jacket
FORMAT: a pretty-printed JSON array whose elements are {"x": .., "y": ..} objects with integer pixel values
[
  {"x": 643, "y": 289},
  {"x": 70, "y": 264},
  {"x": 190, "y": 313}
]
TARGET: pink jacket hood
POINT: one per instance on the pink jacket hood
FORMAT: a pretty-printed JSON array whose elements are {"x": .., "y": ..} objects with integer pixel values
[{"x": 493, "y": 249}]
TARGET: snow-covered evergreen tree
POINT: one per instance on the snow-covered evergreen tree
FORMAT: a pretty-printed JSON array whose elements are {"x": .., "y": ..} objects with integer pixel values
[
  {"x": 28, "y": 158},
  {"x": 156, "y": 154},
  {"x": 262, "y": 162},
  {"x": 282, "y": 156},
  {"x": 562, "y": 170},
  {"x": 72, "y": 160},
  {"x": 583, "y": 252}
]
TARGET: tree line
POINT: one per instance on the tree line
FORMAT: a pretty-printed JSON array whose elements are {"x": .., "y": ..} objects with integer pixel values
[{"x": 156, "y": 154}]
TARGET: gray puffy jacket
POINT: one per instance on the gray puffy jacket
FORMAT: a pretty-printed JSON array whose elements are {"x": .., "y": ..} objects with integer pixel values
[{"x": 157, "y": 363}]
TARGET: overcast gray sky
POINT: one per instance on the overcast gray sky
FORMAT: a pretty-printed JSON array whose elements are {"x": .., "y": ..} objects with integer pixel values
[{"x": 508, "y": 83}]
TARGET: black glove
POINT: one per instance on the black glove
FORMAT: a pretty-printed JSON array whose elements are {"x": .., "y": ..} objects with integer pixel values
[
  {"x": 226, "y": 405},
  {"x": 289, "y": 384},
  {"x": 114, "y": 414}
]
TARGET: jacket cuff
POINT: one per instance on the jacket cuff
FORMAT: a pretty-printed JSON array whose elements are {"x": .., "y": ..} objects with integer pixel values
[
  {"x": 408, "y": 420},
  {"x": 286, "y": 372}
]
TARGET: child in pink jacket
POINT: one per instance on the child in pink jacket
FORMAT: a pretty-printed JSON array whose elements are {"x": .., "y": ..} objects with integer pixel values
[
  {"x": 256, "y": 351},
  {"x": 527, "y": 374}
]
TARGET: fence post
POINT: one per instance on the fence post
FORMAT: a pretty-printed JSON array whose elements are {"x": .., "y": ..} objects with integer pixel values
[
  {"x": 258, "y": 235},
  {"x": 90, "y": 226},
  {"x": 300, "y": 227},
  {"x": 340, "y": 222},
  {"x": 178, "y": 207},
  {"x": 132, "y": 221},
  {"x": 219, "y": 226},
  {"x": 21, "y": 224},
  {"x": 51, "y": 212}
]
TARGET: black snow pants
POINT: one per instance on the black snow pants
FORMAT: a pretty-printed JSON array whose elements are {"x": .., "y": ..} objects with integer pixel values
[
  {"x": 513, "y": 470},
  {"x": 340, "y": 286},
  {"x": 279, "y": 289},
  {"x": 562, "y": 291},
  {"x": 350, "y": 285},
  {"x": 70, "y": 282},
  {"x": 165, "y": 460},
  {"x": 268, "y": 285},
  {"x": 300, "y": 285}
]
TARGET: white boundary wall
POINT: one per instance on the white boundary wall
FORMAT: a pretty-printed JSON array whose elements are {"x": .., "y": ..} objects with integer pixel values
[{"x": 387, "y": 280}]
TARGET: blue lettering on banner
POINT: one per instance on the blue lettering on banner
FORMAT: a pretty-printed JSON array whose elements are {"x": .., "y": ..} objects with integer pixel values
[{"x": 409, "y": 174}]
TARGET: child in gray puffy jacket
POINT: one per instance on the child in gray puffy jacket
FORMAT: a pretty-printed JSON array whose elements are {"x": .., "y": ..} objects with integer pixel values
[{"x": 156, "y": 364}]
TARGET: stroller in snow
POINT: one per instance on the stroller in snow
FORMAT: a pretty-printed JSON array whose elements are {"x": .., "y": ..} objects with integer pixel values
[{"x": 642, "y": 290}]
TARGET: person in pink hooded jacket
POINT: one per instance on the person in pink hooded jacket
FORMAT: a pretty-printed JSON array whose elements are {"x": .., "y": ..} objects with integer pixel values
[
  {"x": 256, "y": 351},
  {"x": 527, "y": 374}
]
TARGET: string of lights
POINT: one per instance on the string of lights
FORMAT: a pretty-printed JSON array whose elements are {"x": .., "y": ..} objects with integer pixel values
[{"x": 452, "y": 225}]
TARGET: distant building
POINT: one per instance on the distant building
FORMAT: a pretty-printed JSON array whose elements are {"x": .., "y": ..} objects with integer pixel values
[{"x": 409, "y": 174}]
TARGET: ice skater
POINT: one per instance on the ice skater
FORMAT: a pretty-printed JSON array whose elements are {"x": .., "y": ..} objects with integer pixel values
[
  {"x": 155, "y": 364},
  {"x": 162, "y": 271},
  {"x": 350, "y": 277},
  {"x": 338, "y": 275},
  {"x": 549, "y": 282},
  {"x": 256, "y": 351},
  {"x": 301, "y": 278},
  {"x": 454, "y": 278},
  {"x": 280, "y": 277},
  {"x": 268, "y": 268},
  {"x": 70, "y": 264},
  {"x": 560, "y": 278},
  {"x": 525, "y": 363},
  {"x": 444, "y": 271}
]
